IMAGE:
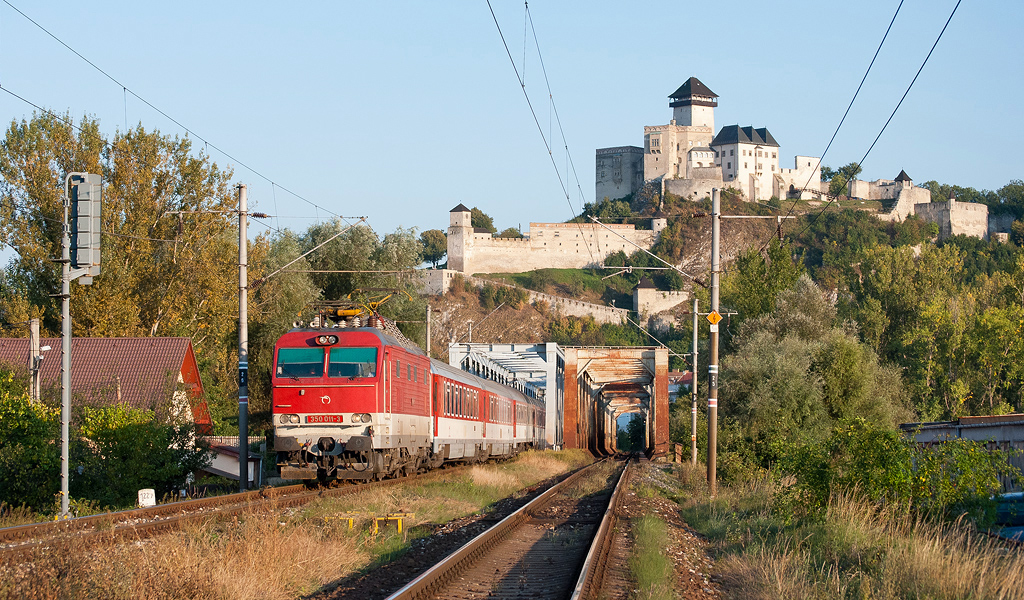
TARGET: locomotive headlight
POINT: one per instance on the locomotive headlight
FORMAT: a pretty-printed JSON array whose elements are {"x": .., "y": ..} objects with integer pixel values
[
  {"x": 366, "y": 417},
  {"x": 326, "y": 340},
  {"x": 355, "y": 417},
  {"x": 286, "y": 419}
]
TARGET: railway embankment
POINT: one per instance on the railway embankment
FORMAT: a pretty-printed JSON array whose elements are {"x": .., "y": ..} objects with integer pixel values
[
  {"x": 767, "y": 545},
  {"x": 292, "y": 552}
]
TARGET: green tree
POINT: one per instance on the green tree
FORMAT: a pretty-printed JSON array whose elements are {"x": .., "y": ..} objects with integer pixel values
[
  {"x": 482, "y": 220},
  {"x": 169, "y": 243},
  {"x": 435, "y": 245},
  {"x": 511, "y": 233},
  {"x": 275, "y": 303},
  {"x": 756, "y": 279},
  {"x": 127, "y": 451}
]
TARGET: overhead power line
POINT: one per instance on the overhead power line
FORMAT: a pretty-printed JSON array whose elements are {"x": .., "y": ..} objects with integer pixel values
[
  {"x": 889, "y": 120},
  {"x": 126, "y": 90},
  {"x": 536, "y": 120},
  {"x": 842, "y": 120}
]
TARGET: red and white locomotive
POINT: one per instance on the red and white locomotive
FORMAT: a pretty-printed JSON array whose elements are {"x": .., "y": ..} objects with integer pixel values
[{"x": 360, "y": 403}]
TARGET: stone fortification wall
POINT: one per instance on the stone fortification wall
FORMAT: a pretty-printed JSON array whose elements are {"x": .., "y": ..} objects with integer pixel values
[
  {"x": 566, "y": 306},
  {"x": 547, "y": 246},
  {"x": 434, "y": 282},
  {"x": 956, "y": 218},
  {"x": 804, "y": 179},
  {"x": 649, "y": 301},
  {"x": 620, "y": 172},
  {"x": 908, "y": 200},
  {"x": 880, "y": 189},
  {"x": 999, "y": 223},
  {"x": 692, "y": 189}
]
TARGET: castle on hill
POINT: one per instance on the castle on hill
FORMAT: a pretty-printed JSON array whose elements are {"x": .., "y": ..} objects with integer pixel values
[{"x": 686, "y": 157}]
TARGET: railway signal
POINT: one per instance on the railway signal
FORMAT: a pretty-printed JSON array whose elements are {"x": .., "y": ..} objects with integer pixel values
[{"x": 83, "y": 235}]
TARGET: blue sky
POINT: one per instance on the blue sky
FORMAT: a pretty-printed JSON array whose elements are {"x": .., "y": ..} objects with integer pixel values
[{"x": 401, "y": 110}]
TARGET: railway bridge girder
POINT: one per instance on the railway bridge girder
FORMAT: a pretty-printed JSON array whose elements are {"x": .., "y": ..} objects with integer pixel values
[{"x": 603, "y": 383}]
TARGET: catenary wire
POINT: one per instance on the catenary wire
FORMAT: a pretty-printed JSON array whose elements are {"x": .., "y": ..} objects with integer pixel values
[
  {"x": 842, "y": 120},
  {"x": 107, "y": 145},
  {"x": 540, "y": 129},
  {"x": 128, "y": 90},
  {"x": 898, "y": 104}
]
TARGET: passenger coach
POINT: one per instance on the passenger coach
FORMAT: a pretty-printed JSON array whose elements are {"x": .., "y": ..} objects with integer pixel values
[{"x": 358, "y": 403}]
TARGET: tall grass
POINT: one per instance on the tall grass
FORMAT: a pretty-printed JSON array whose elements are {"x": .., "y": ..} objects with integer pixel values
[
  {"x": 274, "y": 555},
  {"x": 855, "y": 549}
]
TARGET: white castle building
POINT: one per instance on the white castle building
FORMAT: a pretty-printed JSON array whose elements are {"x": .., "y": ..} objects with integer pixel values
[{"x": 686, "y": 158}]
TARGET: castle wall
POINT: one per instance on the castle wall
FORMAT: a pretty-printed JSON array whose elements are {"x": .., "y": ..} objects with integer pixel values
[
  {"x": 806, "y": 171},
  {"x": 620, "y": 172},
  {"x": 956, "y": 218},
  {"x": 909, "y": 200},
  {"x": 692, "y": 189},
  {"x": 566, "y": 306},
  {"x": 999, "y": 223},
  {"x": 435, "y": 282},
  {"x": 546, "y": 246},
  {"x": 649, "y": 301}
]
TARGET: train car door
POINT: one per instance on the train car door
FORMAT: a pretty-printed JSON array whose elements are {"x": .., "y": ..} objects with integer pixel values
[
  {"x": 437, "y": 394},
  {"x": 484, "y": 405}
]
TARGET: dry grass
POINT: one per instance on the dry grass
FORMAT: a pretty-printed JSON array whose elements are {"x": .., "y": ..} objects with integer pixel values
[
  {"x": 854, "y": 551},
  {"x": 269, "y": 556}
]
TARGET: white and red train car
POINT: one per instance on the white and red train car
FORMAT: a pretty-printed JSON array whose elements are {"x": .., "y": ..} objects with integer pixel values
[{"x": 357, "y": 403}]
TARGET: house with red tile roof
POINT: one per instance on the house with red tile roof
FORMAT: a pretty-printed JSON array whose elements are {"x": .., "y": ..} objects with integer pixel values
[{"x": 151, "y": 373}]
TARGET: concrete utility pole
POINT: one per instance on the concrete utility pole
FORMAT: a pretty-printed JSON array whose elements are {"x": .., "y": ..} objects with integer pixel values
[
  {"x": 713, "y": 360},
  {"x": 693, "y": 387},
  {"x": 243, "y": 341}
]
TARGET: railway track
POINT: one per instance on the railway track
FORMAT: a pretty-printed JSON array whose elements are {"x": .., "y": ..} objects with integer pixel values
[
  {"x": 559, "y": 545},
  {"x": 145, "y": 522}
]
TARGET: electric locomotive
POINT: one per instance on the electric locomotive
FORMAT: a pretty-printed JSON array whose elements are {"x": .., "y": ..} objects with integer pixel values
[{"x": 366, "y": 403}]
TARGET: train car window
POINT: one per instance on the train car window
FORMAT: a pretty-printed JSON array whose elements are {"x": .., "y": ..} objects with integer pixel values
[
  {"x": 300, "y": 362},
  {"x": 352, "y": 362},
  {"x": 398, "y": 369},
  {"x": 447, "y": 398}
]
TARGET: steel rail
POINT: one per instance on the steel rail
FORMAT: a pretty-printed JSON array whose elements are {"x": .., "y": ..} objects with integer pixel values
[
  {"x": 428, "y": 582},
  {"x": 20, "y": 532},
  {"x": 227, "y": 505},
  {"x": 591, "y": 575}
]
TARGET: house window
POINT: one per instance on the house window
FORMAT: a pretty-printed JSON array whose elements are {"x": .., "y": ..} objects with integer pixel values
[
  {"x": 731, "y": 152},
  {"x": 773, "y": 155},
  {"x": 773, "y": 167},
  {"x": 744, "y": 165},
  {"x": 728, "y": 165}
]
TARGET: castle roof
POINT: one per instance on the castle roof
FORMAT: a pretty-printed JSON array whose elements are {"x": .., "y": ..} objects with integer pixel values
[
  {"x": 645, "y": 283},
  {"x": 460, "y": 208},
  {"x": 734, "y": 134},
  {"x": 692, "y": 87},
  {"x": 903, "y": 176}
]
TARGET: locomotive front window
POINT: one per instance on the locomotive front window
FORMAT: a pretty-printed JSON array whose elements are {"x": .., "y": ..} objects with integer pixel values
[
  {"x": 300, "y": 362},
  {"x": 353, "y": 362}
]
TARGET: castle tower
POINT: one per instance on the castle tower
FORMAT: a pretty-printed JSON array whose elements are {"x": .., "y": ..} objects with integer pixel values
[
  {"x": 460, "y": 238},
  {"x": 903, "y": 180},
  {"x": 693, "y": 104}
]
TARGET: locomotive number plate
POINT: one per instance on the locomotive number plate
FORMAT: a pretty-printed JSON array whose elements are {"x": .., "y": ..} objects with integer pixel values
[{"x": 325, "y": 419}]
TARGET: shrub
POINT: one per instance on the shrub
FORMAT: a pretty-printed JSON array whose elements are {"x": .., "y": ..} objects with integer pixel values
[{"x": 953, "y": 478}]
